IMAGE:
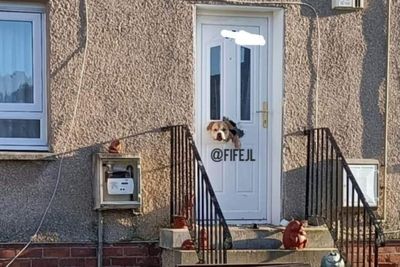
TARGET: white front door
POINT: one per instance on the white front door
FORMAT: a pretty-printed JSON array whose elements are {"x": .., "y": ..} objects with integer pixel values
[{"x": 233, "y": 83}]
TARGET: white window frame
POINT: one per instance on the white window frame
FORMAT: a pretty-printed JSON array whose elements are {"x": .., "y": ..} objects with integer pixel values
[{"x": 34, "y": 13}]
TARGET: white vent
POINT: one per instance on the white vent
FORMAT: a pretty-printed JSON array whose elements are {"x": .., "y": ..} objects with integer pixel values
[
  {"x": 347, "y": 4},
  {"x": 366, "y": 176}
]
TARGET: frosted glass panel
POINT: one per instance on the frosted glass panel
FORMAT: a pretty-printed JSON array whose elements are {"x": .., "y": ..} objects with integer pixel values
[
  {"x": 19, "y": 128},
  {"x": 245, "y": 89},
  {"x": 215, "y": 83},
  {"x": 16, "y": 75},
  {"x": 366, "y": 177}
]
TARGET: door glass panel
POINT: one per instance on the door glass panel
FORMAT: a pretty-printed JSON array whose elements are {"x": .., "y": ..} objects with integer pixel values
[
  {"x": 16, "y": 75},
  {"x": 215, "y": 83},
  {"x": 19, "y": 128},
  {"x": 245, "y": 74}
]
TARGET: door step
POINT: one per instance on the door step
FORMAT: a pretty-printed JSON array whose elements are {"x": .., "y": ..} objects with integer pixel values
[
  {"x": 249, "y": 265},
  {"x": 265, "y": 237},
  {"x": 268, "y": 237},
  {"x": 252, "y": 246}
]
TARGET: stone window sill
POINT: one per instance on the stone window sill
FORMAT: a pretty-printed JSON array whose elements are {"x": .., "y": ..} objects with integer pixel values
[{"x": 27, "y": 156}]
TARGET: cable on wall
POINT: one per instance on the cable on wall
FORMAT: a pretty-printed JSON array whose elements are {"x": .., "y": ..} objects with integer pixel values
[
  {"x": 64, "y": 149},
  {"x": 387, "y": 98},
  {"x": 317, "y": 71}
]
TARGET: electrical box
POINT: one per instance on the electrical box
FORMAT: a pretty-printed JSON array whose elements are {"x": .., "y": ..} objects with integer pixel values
[
  {"x": 117, "y": 180},
  {"x": 365, "y": 172},
  {"x": 347, "y": 4}
]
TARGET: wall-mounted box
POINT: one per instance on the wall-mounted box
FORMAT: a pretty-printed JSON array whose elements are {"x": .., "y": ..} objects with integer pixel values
[
  {"x": 365, "y": 172},
  {"x": 347, "y": 4},
  {"x": 116, "y": 181}
]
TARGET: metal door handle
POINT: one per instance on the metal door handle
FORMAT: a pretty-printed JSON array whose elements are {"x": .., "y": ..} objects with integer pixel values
[{"x": 264, "y": 112}]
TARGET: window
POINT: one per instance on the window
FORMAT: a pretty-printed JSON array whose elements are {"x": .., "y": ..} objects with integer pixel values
[
  {"x": 215, "y": 83},
  {"x": 245, "y": 84},
  {"x": 23, "y": 114}
]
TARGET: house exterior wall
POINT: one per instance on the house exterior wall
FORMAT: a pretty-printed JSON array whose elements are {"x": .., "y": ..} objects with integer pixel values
[{"x": 140, "y": 76}]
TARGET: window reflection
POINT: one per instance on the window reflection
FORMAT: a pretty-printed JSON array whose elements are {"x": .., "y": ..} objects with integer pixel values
[
  {"x": 245, "y": 89},
  {"x": 215, "y": 83},
  {"x": 16, "y": 45},
  {"x": 17, "y": 128}
]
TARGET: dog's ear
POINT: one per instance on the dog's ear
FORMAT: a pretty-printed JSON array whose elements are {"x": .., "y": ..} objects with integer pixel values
[
  {"x": 229, "y": 124},
  {"x": 232, "y": 123},
  {"x": 210, "y": 126},
  {"x": 233, "y": 131}
]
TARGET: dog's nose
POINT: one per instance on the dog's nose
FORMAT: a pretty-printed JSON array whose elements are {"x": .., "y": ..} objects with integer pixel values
[{"x": 219, "y": 136}]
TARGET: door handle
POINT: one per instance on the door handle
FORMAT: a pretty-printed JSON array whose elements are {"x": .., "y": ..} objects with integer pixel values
[{"x": 264, "y": 113}]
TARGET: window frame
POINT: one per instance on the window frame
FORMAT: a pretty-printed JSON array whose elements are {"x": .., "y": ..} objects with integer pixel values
[{"x": 36, "y": 14}]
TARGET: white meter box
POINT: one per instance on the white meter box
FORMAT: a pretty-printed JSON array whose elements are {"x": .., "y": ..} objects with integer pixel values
[
  {"x": 347, "y": 4},
  {"x": 365, "y": 172},
  {"x": 117, "y": 180},
  {"x": 120, "y": 186}
]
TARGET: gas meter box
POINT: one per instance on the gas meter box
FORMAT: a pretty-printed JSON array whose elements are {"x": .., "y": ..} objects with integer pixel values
[{"x": 116, "y": 181}]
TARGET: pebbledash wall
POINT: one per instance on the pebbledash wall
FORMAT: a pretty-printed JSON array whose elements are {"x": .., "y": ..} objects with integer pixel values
[{"x": 140, "y": 76}]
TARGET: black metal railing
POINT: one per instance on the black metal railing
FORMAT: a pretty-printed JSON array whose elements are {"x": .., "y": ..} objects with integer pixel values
[
  {"x": 193, "y": 199},
  {"x": 333, "y": 195}
]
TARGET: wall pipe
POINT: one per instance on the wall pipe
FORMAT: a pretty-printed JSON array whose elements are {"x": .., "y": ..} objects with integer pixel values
[
  {"x": 100, "y": 234},
  {"x": 387, "y": 98}
]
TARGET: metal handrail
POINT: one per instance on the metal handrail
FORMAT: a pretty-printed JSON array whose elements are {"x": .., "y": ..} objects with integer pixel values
[
  {"x": 353, "y": 224},
  {"x": 193, "y": 198}
]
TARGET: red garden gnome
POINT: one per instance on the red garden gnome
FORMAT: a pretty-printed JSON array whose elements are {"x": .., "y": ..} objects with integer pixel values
[{"x": 294, "y": 236}]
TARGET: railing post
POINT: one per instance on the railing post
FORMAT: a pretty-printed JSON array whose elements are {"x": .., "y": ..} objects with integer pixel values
[
  {"x": 172, "y": 168},
  {"x": 307, "y": 132},
  {"x": 376, "y": 248},
  {"x": 312, "y": 175}
]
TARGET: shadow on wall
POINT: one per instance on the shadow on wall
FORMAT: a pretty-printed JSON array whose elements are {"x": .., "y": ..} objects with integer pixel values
[
  {"x": 373, "y": 75},
  {"x": 373, "y": 70},
  {"x": 24, "y": 196},
  {"x": 294, "y": 177},
  {"x": 295, "y": 194},
  {"x": 312, "y": 54},
  {"x": 81, "y": 36}
]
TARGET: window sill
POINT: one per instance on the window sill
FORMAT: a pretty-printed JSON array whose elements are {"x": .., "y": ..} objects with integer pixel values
[{"x": 27, "y": 156}]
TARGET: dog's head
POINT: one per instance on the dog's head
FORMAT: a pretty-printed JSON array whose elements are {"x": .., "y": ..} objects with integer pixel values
[{"x": 219, "y": 130}]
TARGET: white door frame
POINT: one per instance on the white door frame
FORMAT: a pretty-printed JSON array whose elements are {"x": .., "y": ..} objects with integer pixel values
[{"x": 275, "y": 92}]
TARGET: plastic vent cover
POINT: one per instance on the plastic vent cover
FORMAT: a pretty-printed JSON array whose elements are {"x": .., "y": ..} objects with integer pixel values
[{"x": 366, "y": 176}]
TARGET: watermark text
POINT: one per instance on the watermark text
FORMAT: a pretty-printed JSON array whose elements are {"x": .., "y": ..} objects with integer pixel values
[{"x": 218, "y": 155}]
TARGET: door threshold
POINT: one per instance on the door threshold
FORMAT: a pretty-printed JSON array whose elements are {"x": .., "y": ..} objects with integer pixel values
[{"x": 246, "y": 222}]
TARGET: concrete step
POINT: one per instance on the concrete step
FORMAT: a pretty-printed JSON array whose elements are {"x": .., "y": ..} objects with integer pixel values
[
  {"x": 171, "y": 257},
  {"x": 265, "y": 237},
  {"x": 268, "y": 237},
  {"x": 173, "y": 238}
]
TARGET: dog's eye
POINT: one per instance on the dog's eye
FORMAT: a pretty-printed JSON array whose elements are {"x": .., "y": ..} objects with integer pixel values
[
  {"x": 215, "y": 130},
  {"x": 223, "y": 129}
]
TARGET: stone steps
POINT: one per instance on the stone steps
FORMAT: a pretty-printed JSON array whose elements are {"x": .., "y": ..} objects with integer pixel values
[
  {"x": 265, "y": 237},
  {"x": 262, "y": 245}
]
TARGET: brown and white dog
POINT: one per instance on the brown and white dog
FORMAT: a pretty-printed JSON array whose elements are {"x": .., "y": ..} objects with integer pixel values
[{"x": 225, "y": 130}]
